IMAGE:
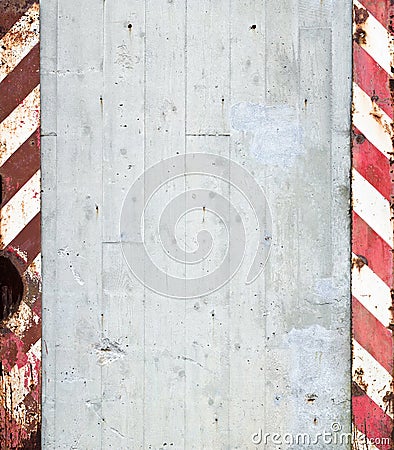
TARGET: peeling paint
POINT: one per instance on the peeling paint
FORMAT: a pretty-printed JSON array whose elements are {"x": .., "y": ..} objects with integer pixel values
[
  {"x": 108, "y": 352},
  {"x": 20, "y": 279}
]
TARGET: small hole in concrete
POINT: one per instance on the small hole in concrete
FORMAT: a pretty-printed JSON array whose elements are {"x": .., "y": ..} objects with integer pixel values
[{"x": 11, "y": 288}]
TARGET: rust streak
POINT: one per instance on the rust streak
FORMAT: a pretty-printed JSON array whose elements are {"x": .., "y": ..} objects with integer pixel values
[{"x": 360, "y": 15}]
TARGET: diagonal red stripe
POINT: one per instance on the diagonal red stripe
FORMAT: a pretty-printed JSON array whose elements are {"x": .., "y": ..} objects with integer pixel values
[
  {"x": 28, "y": 240},
  {"x": 20, "y": 167},
  {"x": 11, "y": 12},
  {"x": 372, "y": 164},
  {"x": 372, "y": 335},
  {"x": 367, "y": 243},
  {"x": 376, "y": 86},
  {"x": 370, "y": 419},
  {"x": 32, "y": 335},
  {"x": 18, "y": 84}
]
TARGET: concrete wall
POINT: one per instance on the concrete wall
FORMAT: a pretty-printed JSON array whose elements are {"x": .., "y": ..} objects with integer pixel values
[{"x": 126, "y": 84}]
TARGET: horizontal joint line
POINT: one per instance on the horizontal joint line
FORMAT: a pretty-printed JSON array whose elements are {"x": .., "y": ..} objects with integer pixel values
[{"x": 209, "y": 134}]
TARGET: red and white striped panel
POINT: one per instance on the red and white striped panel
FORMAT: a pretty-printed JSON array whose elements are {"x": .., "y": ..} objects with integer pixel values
[
  {"x": 20, "y": 263},
  {"x": 372, "y": 246}
]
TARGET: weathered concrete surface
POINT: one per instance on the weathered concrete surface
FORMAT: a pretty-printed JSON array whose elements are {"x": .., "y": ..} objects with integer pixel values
[{"x": 125, "y": 84}]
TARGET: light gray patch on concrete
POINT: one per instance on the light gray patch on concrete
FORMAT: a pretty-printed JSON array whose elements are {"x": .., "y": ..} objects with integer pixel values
[
  {"x": 324, "y": 292},
  {"x": 316, "y": 389},
  {"x": 277, "y": 134}
]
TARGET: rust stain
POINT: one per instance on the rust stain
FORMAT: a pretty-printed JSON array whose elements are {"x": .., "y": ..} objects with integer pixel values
[
  {"x": 359, "y": 138},
  {"x": 360, "y": 36},
  {"x": 359, "y": 262},
  {"x": 389, "y": 397},
  {"x": 377, "y": 115},
  {"x": 356, "y": 390},
  {"x": 374, "y": 97},
  {"x": 360, "y": 15},
  {"x": 358, "y": 375},
  {"x": 310, "y": 398}
]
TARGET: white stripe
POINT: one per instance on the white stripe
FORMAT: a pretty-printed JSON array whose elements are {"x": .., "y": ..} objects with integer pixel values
[
  {"x": 377, "y": 40},
  {"x": 371, "y": 376},
  {"x": 361, "y": 442},
  {"x": 35, "y": 351},
  {"x": 372, "y": 207},
  {"x": 19, "y": 125},
  {"x": 372, "y": 293},
  {"x": 377, "y": 132},
  {"x": 20, "y": 209},
  {"x": 19, "y": 40},
  {"x": 35, "y": 267}
]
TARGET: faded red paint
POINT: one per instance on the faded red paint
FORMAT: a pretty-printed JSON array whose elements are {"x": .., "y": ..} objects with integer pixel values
[
  {"x": 376, "y": 251},
  {"x": 12, "y": 351},
  {"x": 372, "y": 165},
  {"x": 370, "y": 418},
  {"x": 372, "y": 335}
]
